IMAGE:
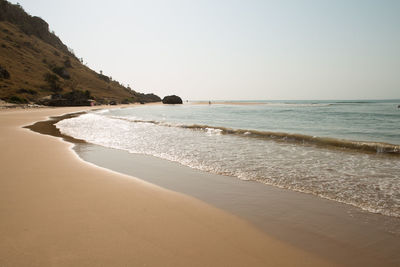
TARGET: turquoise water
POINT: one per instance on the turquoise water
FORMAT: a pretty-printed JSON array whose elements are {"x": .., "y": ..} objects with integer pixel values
[
  {"x": 345, "y": 151},
  {"x": 361, "y": 121}
]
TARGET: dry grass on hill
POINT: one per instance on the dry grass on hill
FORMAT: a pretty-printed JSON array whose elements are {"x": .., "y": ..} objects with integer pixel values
[{"x": 38, "y": 69}]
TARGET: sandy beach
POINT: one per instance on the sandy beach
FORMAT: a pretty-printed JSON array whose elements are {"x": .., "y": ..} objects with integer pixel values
[
  {"x": 199, "y": 133},
  {"x": 57, "y": 210}
]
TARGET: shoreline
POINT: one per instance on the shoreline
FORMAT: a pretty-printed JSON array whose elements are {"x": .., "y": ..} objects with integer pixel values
[
  {"x": 55, "y": 209},
  {"x": 310, "y": 228}
]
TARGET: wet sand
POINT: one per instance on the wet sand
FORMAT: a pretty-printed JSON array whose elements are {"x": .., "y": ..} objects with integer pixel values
[
  {"x": 57, "y": 210},
  {"x": 338, "y": 232}
]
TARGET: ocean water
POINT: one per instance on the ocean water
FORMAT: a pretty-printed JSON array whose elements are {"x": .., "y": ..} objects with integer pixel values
[{"x": 346, "y": 151}]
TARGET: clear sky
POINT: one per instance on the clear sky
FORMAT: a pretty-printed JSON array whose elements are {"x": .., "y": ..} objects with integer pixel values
[{"x": 239, "y": 50}]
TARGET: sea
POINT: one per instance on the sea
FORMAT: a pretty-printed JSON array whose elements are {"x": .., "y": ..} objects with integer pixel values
[{"x": 345, "y": 151}]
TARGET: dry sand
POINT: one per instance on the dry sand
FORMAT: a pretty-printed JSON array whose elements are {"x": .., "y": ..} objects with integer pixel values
[{"x": 56, "y": 210}]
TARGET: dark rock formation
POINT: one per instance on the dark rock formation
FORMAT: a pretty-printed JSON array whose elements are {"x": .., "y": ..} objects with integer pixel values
[
  {"x": 148, "y": 98},
  {"x": 172, "y": 99}
]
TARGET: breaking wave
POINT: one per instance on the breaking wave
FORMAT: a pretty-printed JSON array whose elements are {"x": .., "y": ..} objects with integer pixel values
[{"x": 328, "y": 142}]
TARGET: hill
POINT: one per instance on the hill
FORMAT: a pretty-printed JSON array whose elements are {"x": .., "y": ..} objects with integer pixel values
[{"x": 36, "y": 67}]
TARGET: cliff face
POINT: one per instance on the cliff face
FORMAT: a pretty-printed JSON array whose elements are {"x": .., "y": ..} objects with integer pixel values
[{"x": 35, "y": 66}]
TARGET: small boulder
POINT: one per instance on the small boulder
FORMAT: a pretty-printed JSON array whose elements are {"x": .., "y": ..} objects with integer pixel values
[{"x": 172, "y": 99}]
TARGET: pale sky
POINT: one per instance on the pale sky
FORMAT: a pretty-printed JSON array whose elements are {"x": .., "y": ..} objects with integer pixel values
[{"x": 236, "y": 50}]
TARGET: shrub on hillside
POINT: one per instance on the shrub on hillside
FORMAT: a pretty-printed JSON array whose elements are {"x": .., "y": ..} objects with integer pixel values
[
  {"x": 17, "y": 100},
  {"x": 103, "y": 77},
  {"x": 53, "y": 82},
  {"x": 77, "y": 95},
  {"x": 67, "y": 63},
  {"x": 73, "y": 98},
  {"x": 51, "y": 78},
  {"x": 27, "y": 91},
  {"x": 128, "y": 100},
  {"x": 62, "y": 72},
  {"x": 4, "y": 74}
]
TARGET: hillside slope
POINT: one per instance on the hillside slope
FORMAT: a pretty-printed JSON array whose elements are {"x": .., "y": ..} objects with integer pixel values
[{"x": 36, "y": 67}]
